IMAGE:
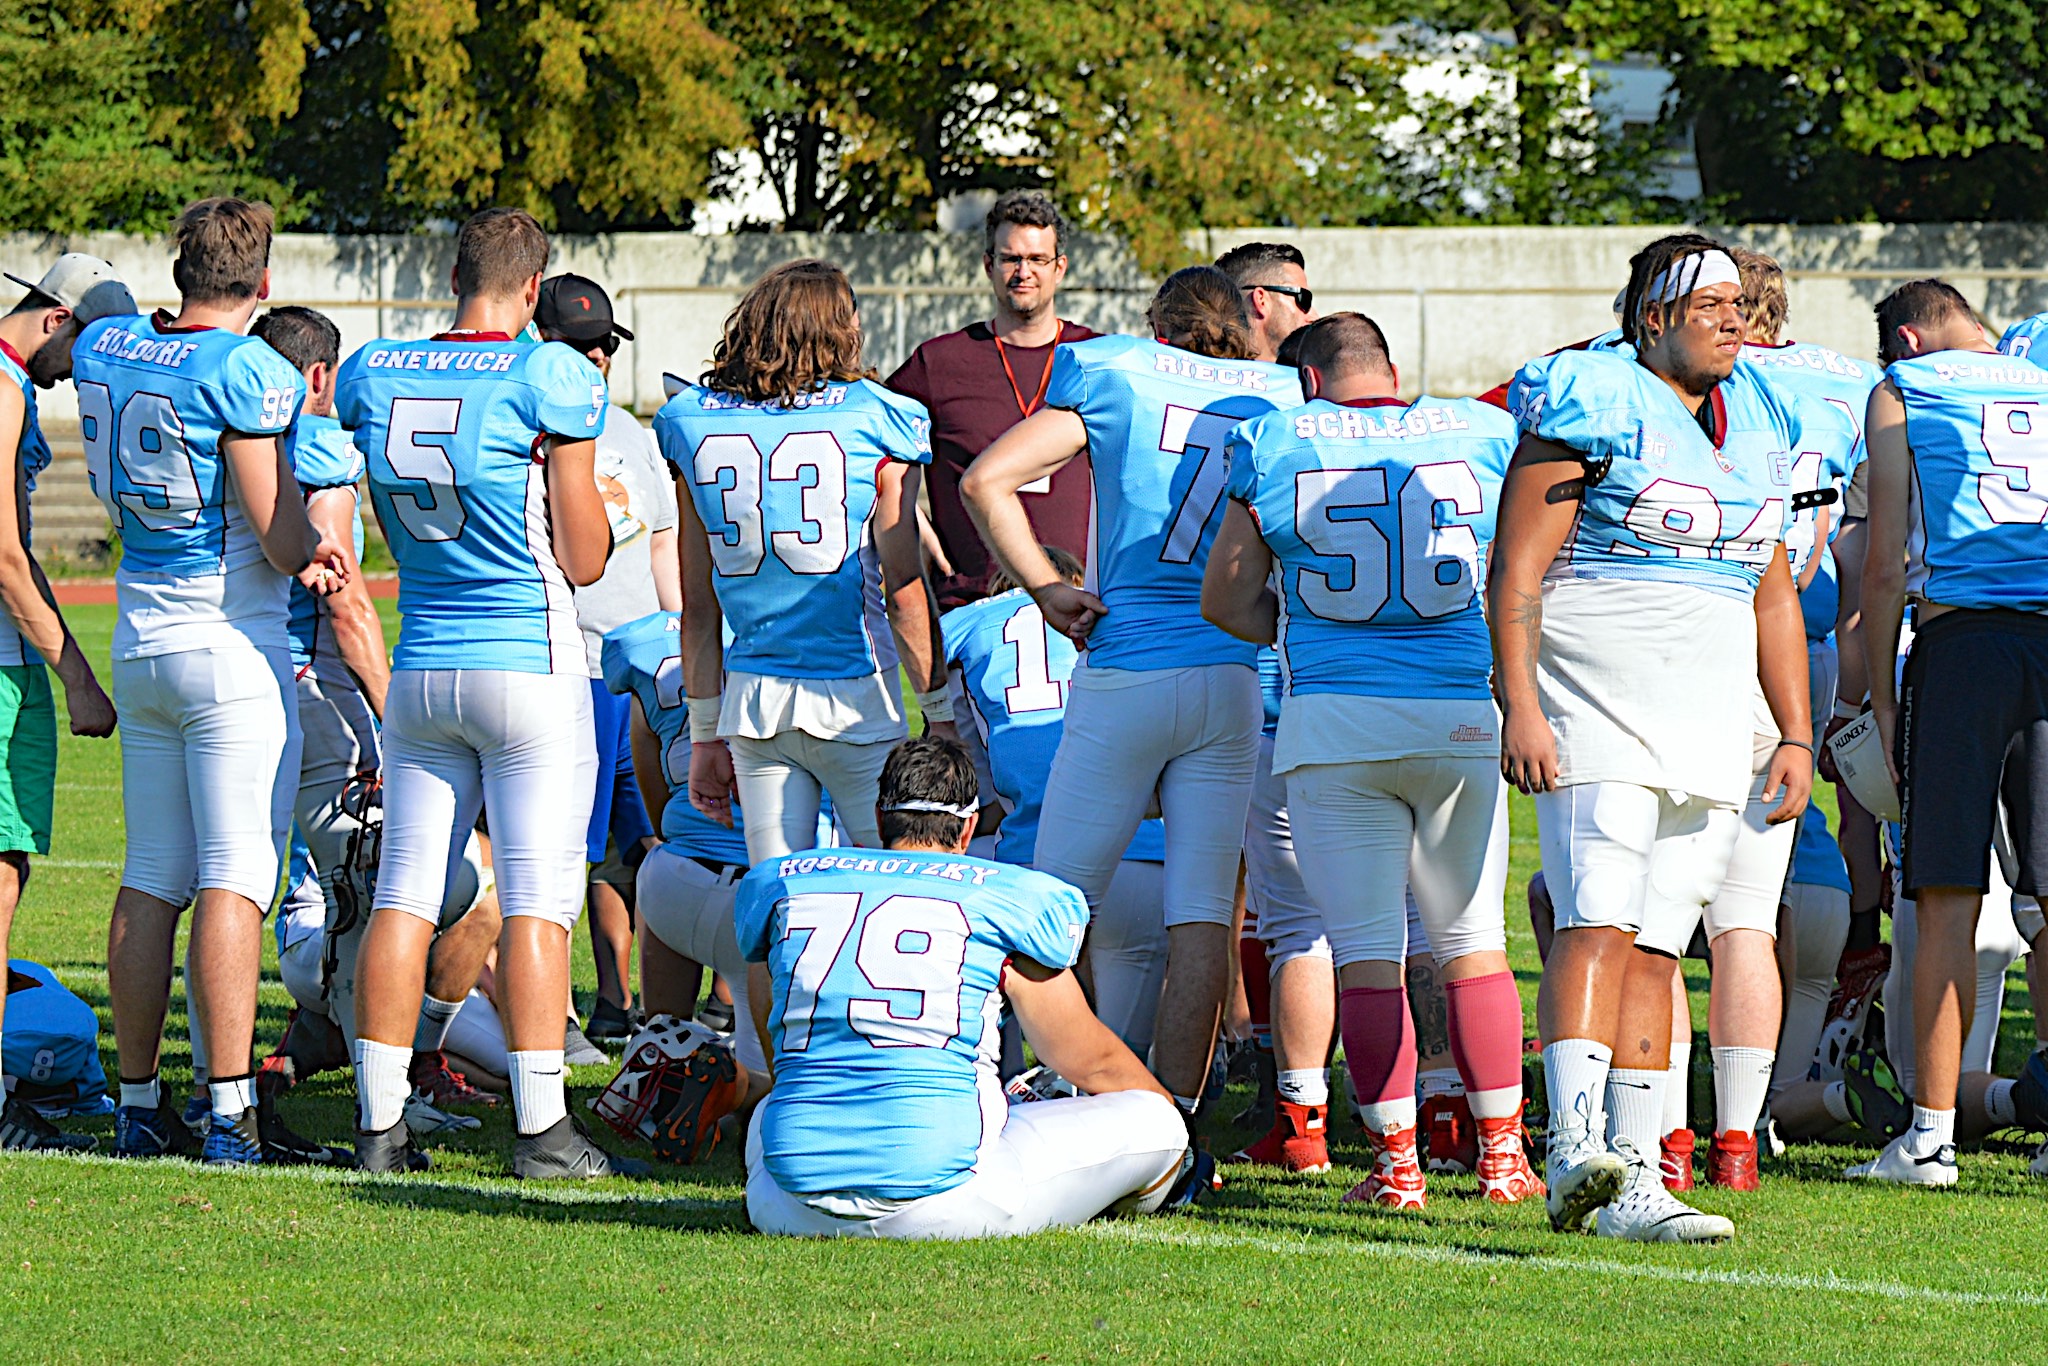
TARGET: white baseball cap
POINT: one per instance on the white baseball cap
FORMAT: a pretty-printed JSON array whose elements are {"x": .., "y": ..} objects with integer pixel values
[{"x": 85, "y": 284}]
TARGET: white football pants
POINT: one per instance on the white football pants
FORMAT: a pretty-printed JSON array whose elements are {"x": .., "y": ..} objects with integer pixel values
[
  {"x": 1276, "y": 900},
  {"x": 1127, "y": 952},
  {"x": 780, "y": 783},
  {"x": 689, "y": 908}
]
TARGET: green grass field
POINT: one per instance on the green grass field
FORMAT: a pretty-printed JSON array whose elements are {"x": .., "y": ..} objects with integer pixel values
[{"x": 170, "y": 1262}]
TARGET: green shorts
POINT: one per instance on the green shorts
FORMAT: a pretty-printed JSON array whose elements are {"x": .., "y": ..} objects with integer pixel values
[{"x": 28, "y": 758}]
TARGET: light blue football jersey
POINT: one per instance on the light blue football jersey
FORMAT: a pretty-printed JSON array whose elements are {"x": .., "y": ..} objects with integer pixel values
[
  {"x": 644, "y": 658},
  {"x": 1378, "y": 516},
  {"x": 322, "y": 457},
  {"x": 1977, "y": 423},
  {"x": 1663, "y": 502},
  {"x": 33, "y": 452},
  {"x": 887, "y": 972},
  {"x": 1830, "y": 393},
  {"x": 1820, "y": 600},
  {"x": 787, "y": 497},
  {"x": 52, "y": 1037},
  {"x": 2021, "y": 338},
  {"x": 1014, "y": 671},
  {"x": 453, "y": 429},
  {"x": 1816, "y": 858},
  {"x": 1156, "y": 418}
]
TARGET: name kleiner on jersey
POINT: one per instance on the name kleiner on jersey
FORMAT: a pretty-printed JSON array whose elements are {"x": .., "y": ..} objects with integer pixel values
[
  {"x": 1977, "y": 425},
  {"x": 1156, "y": 418},
  {"x": 154, "y": 404},
  {"x": 887, "y": 969},
  {"x": 1663, "y": 501},
  {"x": 787, "y": 498},
  {"x": 454, "y": 430}
]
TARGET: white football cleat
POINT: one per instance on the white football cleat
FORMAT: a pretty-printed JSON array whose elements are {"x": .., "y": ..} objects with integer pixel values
[
  {"x": 1645, "y": 1212},
  {"x": 421, "y": 1117},
  {"x": 1582, "y": 1175},
  {"x": 1895, "y": 1163},
  {"x": 2039, "y": 1166}
]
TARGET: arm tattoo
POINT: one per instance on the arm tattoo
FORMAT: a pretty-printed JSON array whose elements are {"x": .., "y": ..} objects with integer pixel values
[{"x": 1526, "y": 612}]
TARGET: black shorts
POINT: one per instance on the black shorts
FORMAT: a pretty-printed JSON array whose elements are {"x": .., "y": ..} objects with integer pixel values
[{"x": 1973, "y": 729}]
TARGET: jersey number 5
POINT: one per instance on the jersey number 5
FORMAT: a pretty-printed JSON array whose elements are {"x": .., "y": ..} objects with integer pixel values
[
  {"x": 430, "y": 509},
  {"x": 908, "y": 944}
]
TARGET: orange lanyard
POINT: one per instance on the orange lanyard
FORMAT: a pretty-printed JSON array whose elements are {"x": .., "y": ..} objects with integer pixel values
[{"x": 1044, "y": 381}]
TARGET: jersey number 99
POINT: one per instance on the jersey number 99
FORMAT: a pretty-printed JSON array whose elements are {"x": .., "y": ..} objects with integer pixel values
[{"x": 148, "y": 444}]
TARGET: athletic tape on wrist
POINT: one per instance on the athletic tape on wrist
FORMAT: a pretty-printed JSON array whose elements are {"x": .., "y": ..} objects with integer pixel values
[
  {"x": 703, "y": 719},
  {"x": 937, "y": 705}
]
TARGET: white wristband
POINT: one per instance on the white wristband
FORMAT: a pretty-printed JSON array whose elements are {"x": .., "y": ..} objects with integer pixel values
[
  {"x": 1847, "y": 711},
  {"x": 703, "y": 720},
  {"x": 937, "y": 705}
]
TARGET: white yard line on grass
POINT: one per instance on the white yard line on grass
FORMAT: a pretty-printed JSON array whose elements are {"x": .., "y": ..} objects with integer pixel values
[
  {"x": 1507, "y": 1260},
  {"x": 95, "y": 863}
]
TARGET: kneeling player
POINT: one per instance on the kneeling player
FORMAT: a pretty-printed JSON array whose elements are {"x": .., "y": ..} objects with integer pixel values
[
  {"x": 889, "y": 972},
  {"x": 1388, "y": 737}
]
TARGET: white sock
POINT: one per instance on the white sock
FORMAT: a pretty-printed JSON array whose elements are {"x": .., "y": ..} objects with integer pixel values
[
  {"x": 1502, "y": 1102},
  {"x": 1635, "y": 1109},
  {"x": 1931, "y": 1129},
  {"x": 1385, "y": 1116},
  {"x": 1575, "y": 1075},
  {"x": 1187, "y": 1104},
  {"x": 232, "y": 1096},
  {"x": 1442, "y": 1081},
  {"x": 1678, "y": 1086},
  {"x": 1834, "y": 1098},
  {"x": 141, "y": 1093},
  {"x": 1742, "y": 1082},
  {"x": 435, "y": 1017},
  {"x": 1998, "y": 1104},
  {"x": 1305, "y": 1086},
  {"x": 382, "y": 1084},
  {"x": 538, "y": 1098}
]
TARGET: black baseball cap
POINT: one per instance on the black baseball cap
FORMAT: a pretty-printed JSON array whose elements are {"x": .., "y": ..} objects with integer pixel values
[{"x": 576, "y": 308}]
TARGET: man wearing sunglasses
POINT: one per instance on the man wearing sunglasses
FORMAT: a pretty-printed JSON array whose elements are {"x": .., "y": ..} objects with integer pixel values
[
  {"x": 642, "y": 576},
  {"x": 1277, "y": 298}
]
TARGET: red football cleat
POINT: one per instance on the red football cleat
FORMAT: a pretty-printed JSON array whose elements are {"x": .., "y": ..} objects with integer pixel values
[
  {"x": 442, "y": 1086},
  {"x": 1857, "y": 976},
  {"x": 1396, "y": 1178},
  {"x": 1505, "y": 1176},
  {"x": 1453, "y": 1142},
  {"x": 1297, "y": 1142},
  {"x": 1731, "y": 1161},
  {"x": 1674, "y": 1163}
]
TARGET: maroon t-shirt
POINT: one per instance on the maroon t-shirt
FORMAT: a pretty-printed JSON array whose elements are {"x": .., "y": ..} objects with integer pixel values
[{"x": 960, "y": 378}]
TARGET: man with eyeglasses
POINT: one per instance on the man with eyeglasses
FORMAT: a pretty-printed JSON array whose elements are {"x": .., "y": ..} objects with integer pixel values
[
  {"x": 642, "y": 576},
  {"x": 984, "y": 379},
  {"x": 1277, "y": 299}
]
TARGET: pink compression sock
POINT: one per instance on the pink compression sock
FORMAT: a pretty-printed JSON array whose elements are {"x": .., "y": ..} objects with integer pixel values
[
  {"x": 1486, "y": 1030},
  {"x": 1379, "y": 1042}
]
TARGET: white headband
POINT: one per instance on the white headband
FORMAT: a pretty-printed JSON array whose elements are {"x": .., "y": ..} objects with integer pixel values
[
  {"x": 963, "y": 812},
  {"x": 1690, "y": 273}
]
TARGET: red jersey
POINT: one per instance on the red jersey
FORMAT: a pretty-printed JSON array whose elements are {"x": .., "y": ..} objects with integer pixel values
[{"x": 973, "y": 399}]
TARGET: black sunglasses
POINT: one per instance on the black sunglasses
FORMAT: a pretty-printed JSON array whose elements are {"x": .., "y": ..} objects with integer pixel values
[{"x": 1304, "y": 297}]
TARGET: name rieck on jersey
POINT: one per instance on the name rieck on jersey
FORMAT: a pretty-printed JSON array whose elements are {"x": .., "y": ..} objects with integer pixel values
[
  {"x": 952, "y": 872},
  {"x": 481, "y": 362},
  {"x": 1170, "y": 363}
]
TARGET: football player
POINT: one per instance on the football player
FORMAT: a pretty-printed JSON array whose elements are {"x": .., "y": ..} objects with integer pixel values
[
  {"x": 1163, "y": 703},
  {"x": 797, "y": 478},
  {"x": 36, "y": 337},
  {"x": 183, "y": 419},
  {"x": 1639, "y": 588},
  {"x": 889, "y": 973},
  {"x": 481, "y": 455},
  {"x": 1950, "y": 431},
  {"x": 1376, "y": 514},
  {"x": 1010, "y": 674}
]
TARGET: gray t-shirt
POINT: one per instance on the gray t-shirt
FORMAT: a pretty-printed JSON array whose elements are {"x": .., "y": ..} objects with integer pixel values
[
  {"x": 641, "y": 501},
  {"x": 1856, "y": 497}
]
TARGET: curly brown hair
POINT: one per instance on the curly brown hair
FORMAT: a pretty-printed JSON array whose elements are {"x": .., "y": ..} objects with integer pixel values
[
  {"x": 795, "y": 331},
  {"x": 1763, "y": 288},
  {"x": 1201, "y": 309}
]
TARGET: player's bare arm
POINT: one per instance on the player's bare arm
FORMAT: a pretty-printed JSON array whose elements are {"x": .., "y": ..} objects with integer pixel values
[
  {"x": 1235, "y": 592},
  {"x": 912, "y": 614},
  {"x": 1538, "y": 502},
  {"x": 26, "y": 593},
  {"x": 582, "y": 532},
  {"x": 263, "y": 483},
  {"x": 1036, "y": 448},
  {"x": 1782, "y": 670},
  {"x": 1884, "y": 556},
  {"x": 358, "y": 630},
  {"x": 1065, "y": 1034},
  {"x": 703, "y": 646}
]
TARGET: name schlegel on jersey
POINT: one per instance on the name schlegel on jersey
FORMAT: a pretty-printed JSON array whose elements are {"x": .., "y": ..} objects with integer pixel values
[
  {"x": 483, "y": 362},
  {"x": 848, "y": 863},
  {"x": 1355, "y": 425},
  {"x": 132, "y": 346},
  {"x": 1187, "y": 367}
]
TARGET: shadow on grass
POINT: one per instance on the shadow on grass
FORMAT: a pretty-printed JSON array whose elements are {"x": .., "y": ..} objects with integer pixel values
[{"x": 616, "y": 1203}]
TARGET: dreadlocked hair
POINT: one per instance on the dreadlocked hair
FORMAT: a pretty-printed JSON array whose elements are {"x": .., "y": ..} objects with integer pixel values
[{"x": 1646, "y": 267}]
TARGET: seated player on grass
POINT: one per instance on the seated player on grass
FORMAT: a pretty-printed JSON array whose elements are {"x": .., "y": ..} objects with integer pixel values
[{"x": 890, "y": 970}]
